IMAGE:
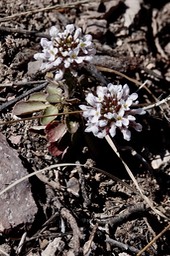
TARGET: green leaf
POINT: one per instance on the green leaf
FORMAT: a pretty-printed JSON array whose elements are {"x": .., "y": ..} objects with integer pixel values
[
  {"x": 53, "y": 89},
  {"x": 24, "y": 107},
  {"x": 55, "y": 98},
  {"x": 49, "y": 111},
  {"x": 38, "y": 96}
]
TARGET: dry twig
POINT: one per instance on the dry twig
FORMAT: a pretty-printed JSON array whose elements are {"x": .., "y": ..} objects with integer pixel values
[
  {"x": 23, "y": 31},
  {"x": 4, "y": 253},
  {"x": 20, "y": 84},
  {"x": 87, "y": 246},
  {"x": 20, "y": 97},
  {"x": 65, "y": 213},
  {"x": 21, "y": 243},
  {"x": 156, "y": 104},
  {"x": 126, "y": 215},
  {"x": 153, "y": 240},
  {"x": 64, "y": 165},
  {"x": 122, "y": 246},
  {"x": 48, "y": 8},
  {"x": 39, "y": 116}
]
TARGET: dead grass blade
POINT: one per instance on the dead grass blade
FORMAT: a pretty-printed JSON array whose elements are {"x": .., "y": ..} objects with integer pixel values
[
  {"x": 153, "y": 240},
  {"x": 145, "y": 198},
  {"x": 64, "y": 165},
  {"x": 48, "y": 8}
]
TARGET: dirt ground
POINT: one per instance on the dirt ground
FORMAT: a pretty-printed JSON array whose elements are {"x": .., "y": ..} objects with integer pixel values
[{"x": 84, "y": 202}]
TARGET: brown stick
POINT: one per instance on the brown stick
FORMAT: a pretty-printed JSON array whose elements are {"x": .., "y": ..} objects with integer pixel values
[
  {"x": 23, "y": 31},
  {"x": 20, "y": 97},
  {"x": 129, "y": 214},
  {"x": 48, "y": 8},
  {"x": 153, "y": 240},
  {"x": 20, "y": 84},
  {"x": 121, "y": 245},
  {"x": 40, "y": 116}
]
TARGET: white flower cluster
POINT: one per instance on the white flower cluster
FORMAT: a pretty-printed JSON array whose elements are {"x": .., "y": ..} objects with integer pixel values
[
  {"x": 111, "y": 108},
  {"x": 65, "y": 50}
]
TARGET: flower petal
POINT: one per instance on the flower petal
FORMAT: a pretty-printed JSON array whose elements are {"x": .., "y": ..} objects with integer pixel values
[
  {"x": 126, "y": 134},
  {"x": 133, "y": 96},
  {"x": 59, "y": 75},
  {"x": 54, "y": 31},
  {"x": 137, "y": 127},
  {"x": 70, "y": 28},
  {"x": 77, "y": 33},
  {"x": 101, "y": 134},
  {"x": 91, "y": 99},
  {"x": 112, "y": 130}
]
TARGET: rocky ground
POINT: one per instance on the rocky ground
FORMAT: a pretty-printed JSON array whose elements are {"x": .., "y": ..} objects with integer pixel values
[{"x": 84, "y": 202}]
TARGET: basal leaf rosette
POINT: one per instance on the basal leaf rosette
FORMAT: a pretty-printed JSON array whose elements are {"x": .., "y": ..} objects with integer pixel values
[
  {"x": 66, "y": 50},
  {"x": 48, "y": 102},
  {"x": 111, "y": 108}
]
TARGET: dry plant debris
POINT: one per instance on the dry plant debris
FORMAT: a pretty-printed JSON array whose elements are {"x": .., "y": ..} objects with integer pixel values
[{"x": 92, "y": 207}]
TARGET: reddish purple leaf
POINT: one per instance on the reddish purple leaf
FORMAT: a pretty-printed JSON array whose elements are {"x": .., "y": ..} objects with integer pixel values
[
  {"x": 55, "y": 131},
  {"x": 54, "y": 150}
]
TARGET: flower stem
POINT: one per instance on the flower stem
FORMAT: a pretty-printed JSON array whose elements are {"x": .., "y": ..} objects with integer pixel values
[{"x": 146, "y": 199}]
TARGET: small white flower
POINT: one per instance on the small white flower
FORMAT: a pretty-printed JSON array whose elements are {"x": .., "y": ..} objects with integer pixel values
[
  {"x": 77, "y": 33},
  {"x": 109, "y": 109},
  {"x": 95, "y": 114},
  {"x": 126, "y": 134},
  {"x": 45, "y": 43},
  {"x": 66, "y": 50},
  {"x": 102, "y": 123},
  {"x": 138, "y": 111},
  {"x": 109, "y": 115},
  {"x": 91, "y": 99},
  {"x": 121, "y": 121},
  {"x": 126, "y": 91},
  {"x": 54, "y": 32},
  {"x": 39, "y": 56},
  {"x": 101, "y": 91},
  {"x": 67, "y": 63},
  {"x": 88, "y": 111},
  {"x": 57, "y": 61},
  {"x": 69, "y": 29},
  {"x": 92, "y": 128},
  {"x": 115, "y": 90},
  {"x": 65, "y": 54},
  {"x": 112, "y": 130},
  {"x": 74, "y": 56},
  {"x": 137, "y": 127},
  {"x": 87, "y": 58},
  {"x": 59, "y": 75},
  {"x": 88, "y": 38},
  {"x": 101, "y": 134}
]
